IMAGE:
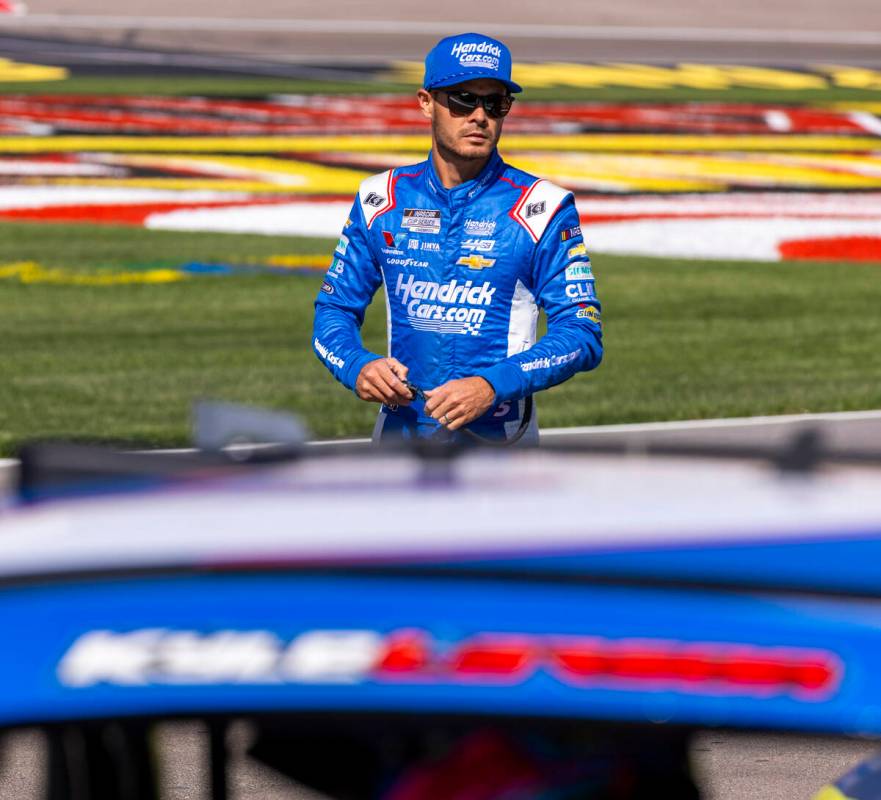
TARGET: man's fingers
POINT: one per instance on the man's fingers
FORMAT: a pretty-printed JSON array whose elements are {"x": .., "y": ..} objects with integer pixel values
[
  {"x": 448, "y": 411},
  {"x": 377, "y": 389},
  {"x": 389, "y": 375},
  {"x": 456, "y": 417},
  {"x": 459, "y": 402},
  {"x": 458, "y": 422},
  {"x": 380, "y": 383},
  {"x": 430, "y": 400},
  {"x": 398, "y": 368}
]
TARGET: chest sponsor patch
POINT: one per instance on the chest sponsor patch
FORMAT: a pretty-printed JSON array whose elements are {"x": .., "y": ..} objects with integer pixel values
[
  {"x": 580, "y": 271},
  {"x": 480, "y": 227},
  {"x": 475, "y": 261},
  {"x": 393, "y": 240},
  {"x": 421, "y": 220},
  {"x": 480, "y": 245},
  {"x": 420, "y": 244},
  {"x": 570, "y": 233},
  {"x": 453, "y": 307}
]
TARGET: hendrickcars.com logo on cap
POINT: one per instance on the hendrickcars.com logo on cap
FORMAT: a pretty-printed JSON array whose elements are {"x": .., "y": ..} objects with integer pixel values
[
  {"x": 477, "y": 54},
  {"x": 465, "y": 57}
]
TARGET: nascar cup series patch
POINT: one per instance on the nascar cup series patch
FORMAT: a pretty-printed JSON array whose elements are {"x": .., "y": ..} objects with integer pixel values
[{"x": 421, "y": 220}]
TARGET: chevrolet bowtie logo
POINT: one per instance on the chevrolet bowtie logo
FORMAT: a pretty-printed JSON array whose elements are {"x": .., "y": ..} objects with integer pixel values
[{"x": 475, "y": 262}]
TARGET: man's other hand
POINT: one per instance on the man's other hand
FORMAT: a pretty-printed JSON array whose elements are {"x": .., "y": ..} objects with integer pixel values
[
  {"x": 382, "y": 381},
  {"x": 456, "y": 403}
]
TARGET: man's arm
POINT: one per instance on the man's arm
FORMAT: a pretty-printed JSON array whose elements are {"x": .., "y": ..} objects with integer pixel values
[
  {"x": 349, "y": 286},
  {"x": 564, "y": 286}
]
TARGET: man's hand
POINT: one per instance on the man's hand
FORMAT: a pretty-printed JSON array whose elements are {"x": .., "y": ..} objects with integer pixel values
[
  {"x": 456, "y": 403},
  {"x": 381, "y": 381}
]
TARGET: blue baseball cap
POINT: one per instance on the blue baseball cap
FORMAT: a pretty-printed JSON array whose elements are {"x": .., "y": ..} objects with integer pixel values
[{"x": 466, "y": 56}]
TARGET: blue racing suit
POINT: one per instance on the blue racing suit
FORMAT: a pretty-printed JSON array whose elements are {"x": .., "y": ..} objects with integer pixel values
[{"x": 464, "y": 271}]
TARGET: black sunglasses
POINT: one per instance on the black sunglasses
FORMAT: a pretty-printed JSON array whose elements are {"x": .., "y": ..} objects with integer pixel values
[{"x": 462, "y": 103}]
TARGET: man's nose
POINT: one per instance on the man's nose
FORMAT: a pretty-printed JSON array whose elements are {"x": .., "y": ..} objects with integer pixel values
[{"x": 479, "y": 116}]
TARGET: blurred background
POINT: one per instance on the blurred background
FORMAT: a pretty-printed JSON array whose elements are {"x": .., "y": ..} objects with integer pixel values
[{"x": 173, "y": 176}]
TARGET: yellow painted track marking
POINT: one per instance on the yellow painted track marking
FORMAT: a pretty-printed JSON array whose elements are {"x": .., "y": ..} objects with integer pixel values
[
  {"x": 691, "y": 76},
  {"x": 588, "y": 142},
  {"x": 14, "y": 72}
]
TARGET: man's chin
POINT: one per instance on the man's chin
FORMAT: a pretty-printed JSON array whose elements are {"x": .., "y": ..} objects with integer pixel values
[{"x": 474, "y": 152}]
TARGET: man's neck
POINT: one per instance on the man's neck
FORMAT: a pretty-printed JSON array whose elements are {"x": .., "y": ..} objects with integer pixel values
[{"x": 454, "y": 171}]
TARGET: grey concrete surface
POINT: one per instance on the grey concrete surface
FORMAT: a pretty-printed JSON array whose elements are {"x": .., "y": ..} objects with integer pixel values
[
  {"x": 856, "y": 431},
  {"x": 817, "y": 15},
  {"x": 727, "y": 765},
  {"x": 760, "y": 766},
  {"x": 343, "y": 31}
]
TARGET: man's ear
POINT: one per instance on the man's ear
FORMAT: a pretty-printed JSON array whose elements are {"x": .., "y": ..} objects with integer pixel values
[{"x": 426, "y": 102}]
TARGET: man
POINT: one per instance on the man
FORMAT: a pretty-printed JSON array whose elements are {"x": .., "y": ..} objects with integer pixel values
[{"x": 467, "y": 248}]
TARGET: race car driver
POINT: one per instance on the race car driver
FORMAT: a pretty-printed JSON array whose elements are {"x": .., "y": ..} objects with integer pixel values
[{"x": 467, "y": 248}]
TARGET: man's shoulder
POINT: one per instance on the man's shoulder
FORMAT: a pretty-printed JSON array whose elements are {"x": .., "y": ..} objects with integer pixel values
[
  {"x": 538, "y": 201},
  {"x": 377, "y": 194}
]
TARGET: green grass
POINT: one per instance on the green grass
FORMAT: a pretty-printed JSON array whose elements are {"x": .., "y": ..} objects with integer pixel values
[
  {"x": 256, "y": 87},
  {"x": 683, "y": 340}
]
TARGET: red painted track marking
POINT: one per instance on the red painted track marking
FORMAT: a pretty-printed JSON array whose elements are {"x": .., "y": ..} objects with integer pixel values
[{"x": 833, "y": 248}]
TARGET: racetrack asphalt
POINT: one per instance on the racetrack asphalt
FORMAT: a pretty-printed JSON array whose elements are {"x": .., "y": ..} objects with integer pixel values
[
  {"x": 727, "y": 765},
  {"x": 227, "y": 36},
  {"x": 276, "y": 32}
]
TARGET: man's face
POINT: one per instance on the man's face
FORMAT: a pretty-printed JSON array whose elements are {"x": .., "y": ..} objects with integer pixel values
[{"x": 471, "y": 135}]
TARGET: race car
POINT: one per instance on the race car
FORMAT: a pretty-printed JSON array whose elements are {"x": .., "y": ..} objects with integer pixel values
[{"x": 435, "y": 623}]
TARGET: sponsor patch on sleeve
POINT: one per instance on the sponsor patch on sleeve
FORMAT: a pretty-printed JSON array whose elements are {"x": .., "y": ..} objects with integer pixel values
[
  {"x": 591, "y": 313},
  {"x": 578, "y": 250},
  {"x": 327, "y": 288},
  {"x": 570, "y": 233},
  {"x": 580, "y": 291},
  {"x": 342, "y": 244},
  {"x": 579, "y": 271},
  {"x": 337, "y": 267}
]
